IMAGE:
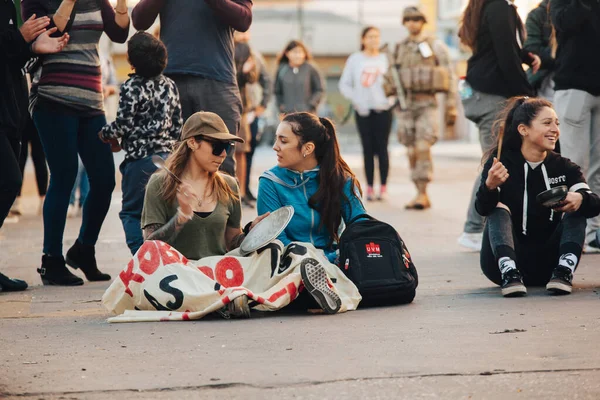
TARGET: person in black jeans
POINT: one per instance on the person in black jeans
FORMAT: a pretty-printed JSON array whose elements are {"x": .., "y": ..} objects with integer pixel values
[
  {"x": 524, "y": 241},
  {"x": 17, "y": 46},
  {"x": 362, "y": 83}
]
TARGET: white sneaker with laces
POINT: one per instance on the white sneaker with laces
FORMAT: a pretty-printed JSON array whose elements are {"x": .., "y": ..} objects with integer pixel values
[{"x": 471, "y": 241}]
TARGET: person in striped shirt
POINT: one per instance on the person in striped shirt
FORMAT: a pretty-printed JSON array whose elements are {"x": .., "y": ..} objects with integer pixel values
[{"x": 68, "y": 113}]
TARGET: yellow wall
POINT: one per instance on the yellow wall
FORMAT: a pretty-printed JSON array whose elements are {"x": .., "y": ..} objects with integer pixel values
[{"x": 429, "y": 8}]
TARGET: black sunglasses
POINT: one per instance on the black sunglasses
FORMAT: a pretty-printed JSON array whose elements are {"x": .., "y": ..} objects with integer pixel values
[{"x": 218, "y": 146}]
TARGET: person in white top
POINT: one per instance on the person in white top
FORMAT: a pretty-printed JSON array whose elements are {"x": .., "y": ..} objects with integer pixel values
[{"x": 362, "y": 83}]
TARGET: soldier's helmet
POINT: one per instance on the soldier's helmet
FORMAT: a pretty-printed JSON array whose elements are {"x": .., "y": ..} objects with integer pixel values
[{"x": 413, "y": 13}]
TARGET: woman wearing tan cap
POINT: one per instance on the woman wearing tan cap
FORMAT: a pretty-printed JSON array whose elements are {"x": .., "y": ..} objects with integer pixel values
[{"x": 200, "y": 215}]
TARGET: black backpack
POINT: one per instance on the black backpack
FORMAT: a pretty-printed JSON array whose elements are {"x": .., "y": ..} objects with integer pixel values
[{"x": 375, "y": 258}]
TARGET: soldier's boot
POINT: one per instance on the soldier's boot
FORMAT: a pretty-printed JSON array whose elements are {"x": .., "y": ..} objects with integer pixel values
[{"x": 421, "y": 201}]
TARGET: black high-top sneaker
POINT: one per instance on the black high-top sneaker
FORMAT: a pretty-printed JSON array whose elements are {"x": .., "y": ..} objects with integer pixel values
[
  {"x": 54, "y": 272},
  {"x": 83, "y": 257},
  {"x": 512, "y": 284},
  {"x": 561, "y": 281}
]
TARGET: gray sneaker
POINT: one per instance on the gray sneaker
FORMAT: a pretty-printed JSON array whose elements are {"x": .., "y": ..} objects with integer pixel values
[{"x": 315, "y": 281}]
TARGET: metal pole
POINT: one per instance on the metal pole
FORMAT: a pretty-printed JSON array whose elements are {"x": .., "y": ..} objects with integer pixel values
[
  {"x": 361, "y": 11},
  {"x": 301, "y": 20}
]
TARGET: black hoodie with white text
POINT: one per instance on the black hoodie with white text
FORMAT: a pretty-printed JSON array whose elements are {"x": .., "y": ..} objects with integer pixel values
[{"x": 534, "y": 222}]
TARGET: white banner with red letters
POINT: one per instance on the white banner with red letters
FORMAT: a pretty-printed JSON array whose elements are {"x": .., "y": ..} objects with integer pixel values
[{"x": 160, "y": 284}]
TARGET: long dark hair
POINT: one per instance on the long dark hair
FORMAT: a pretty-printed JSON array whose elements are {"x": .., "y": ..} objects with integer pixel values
[
  {"x": 470, "y": 23},
  {"x": 283, "y": 58},
  {"x": 518, "y": 110},
  {"x": 334, "y": 172},
  {"x": 364, "y": 33}
]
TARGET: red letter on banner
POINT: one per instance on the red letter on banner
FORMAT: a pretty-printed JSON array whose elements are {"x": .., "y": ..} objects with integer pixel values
[
  {"x": 149, "y": 257},
  {"x": 128, "y": 276},
  {"x": 237, "y": 272}
]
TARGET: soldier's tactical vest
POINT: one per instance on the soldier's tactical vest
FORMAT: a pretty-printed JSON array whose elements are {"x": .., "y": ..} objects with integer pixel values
[{"x": 421, "y": 74}]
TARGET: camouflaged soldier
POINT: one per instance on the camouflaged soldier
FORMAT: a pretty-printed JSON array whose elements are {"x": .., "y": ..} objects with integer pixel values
[{"x": 423, "y": 66}]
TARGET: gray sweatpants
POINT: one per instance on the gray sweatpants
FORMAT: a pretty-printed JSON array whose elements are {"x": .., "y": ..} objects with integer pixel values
[
  {"x": 579, "y": 115},
  {"x": 482, "y": 109}
]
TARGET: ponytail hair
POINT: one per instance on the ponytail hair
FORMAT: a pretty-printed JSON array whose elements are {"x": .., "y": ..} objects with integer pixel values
[
  {"x": 334, "y": 173},
  {"x": 521, "y": 110}
]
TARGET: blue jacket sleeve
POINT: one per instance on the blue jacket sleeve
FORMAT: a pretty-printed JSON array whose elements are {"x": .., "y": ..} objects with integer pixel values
[
  {"x": 353, "y": 206},
  {"x": 268, "y": 201}
]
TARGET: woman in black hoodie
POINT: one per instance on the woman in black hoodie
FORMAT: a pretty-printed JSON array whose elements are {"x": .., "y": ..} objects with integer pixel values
[
  {"x": 493, "y": 30},
  {"x": 524, "y": 241}
]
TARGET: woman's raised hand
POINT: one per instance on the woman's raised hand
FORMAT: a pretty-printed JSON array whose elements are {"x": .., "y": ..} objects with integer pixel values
[
  {"x": 45, "y": 44},
  {"x": 497, "y": 175},
  {"x": 187, "y": 198}
]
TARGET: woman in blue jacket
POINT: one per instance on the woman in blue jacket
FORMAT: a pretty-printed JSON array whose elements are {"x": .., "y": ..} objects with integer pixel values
[{"x": 312, "y": 177}]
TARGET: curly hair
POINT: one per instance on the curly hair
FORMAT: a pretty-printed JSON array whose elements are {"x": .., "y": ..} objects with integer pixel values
[{"x": 147, "y": 55}]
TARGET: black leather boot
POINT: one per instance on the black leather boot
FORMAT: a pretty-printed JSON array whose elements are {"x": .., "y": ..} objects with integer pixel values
[
  {"x": 54, "y": 272},
  {"x": 83, "y": 257},
  {"x": 11, "y": 285}
]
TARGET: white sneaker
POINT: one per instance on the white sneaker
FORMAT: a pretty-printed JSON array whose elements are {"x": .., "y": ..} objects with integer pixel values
[
  {"x": 72, "y": 211},
  {"x": 471, "y": 241},
  {"x": 592, "y": 247}
]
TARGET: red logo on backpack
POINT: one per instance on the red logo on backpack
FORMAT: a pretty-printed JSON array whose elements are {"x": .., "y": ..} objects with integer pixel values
[{"x": 373, "y": 250}]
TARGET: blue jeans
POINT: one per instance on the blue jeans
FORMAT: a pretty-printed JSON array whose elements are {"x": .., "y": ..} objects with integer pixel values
[
  {"x": 82, "y": 182},
  {"x": 64, "y": 136},
  {"x": 136, "y": 174}
]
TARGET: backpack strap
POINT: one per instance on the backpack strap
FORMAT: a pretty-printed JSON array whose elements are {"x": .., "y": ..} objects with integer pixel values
[{"x": 367, "y": 216}]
